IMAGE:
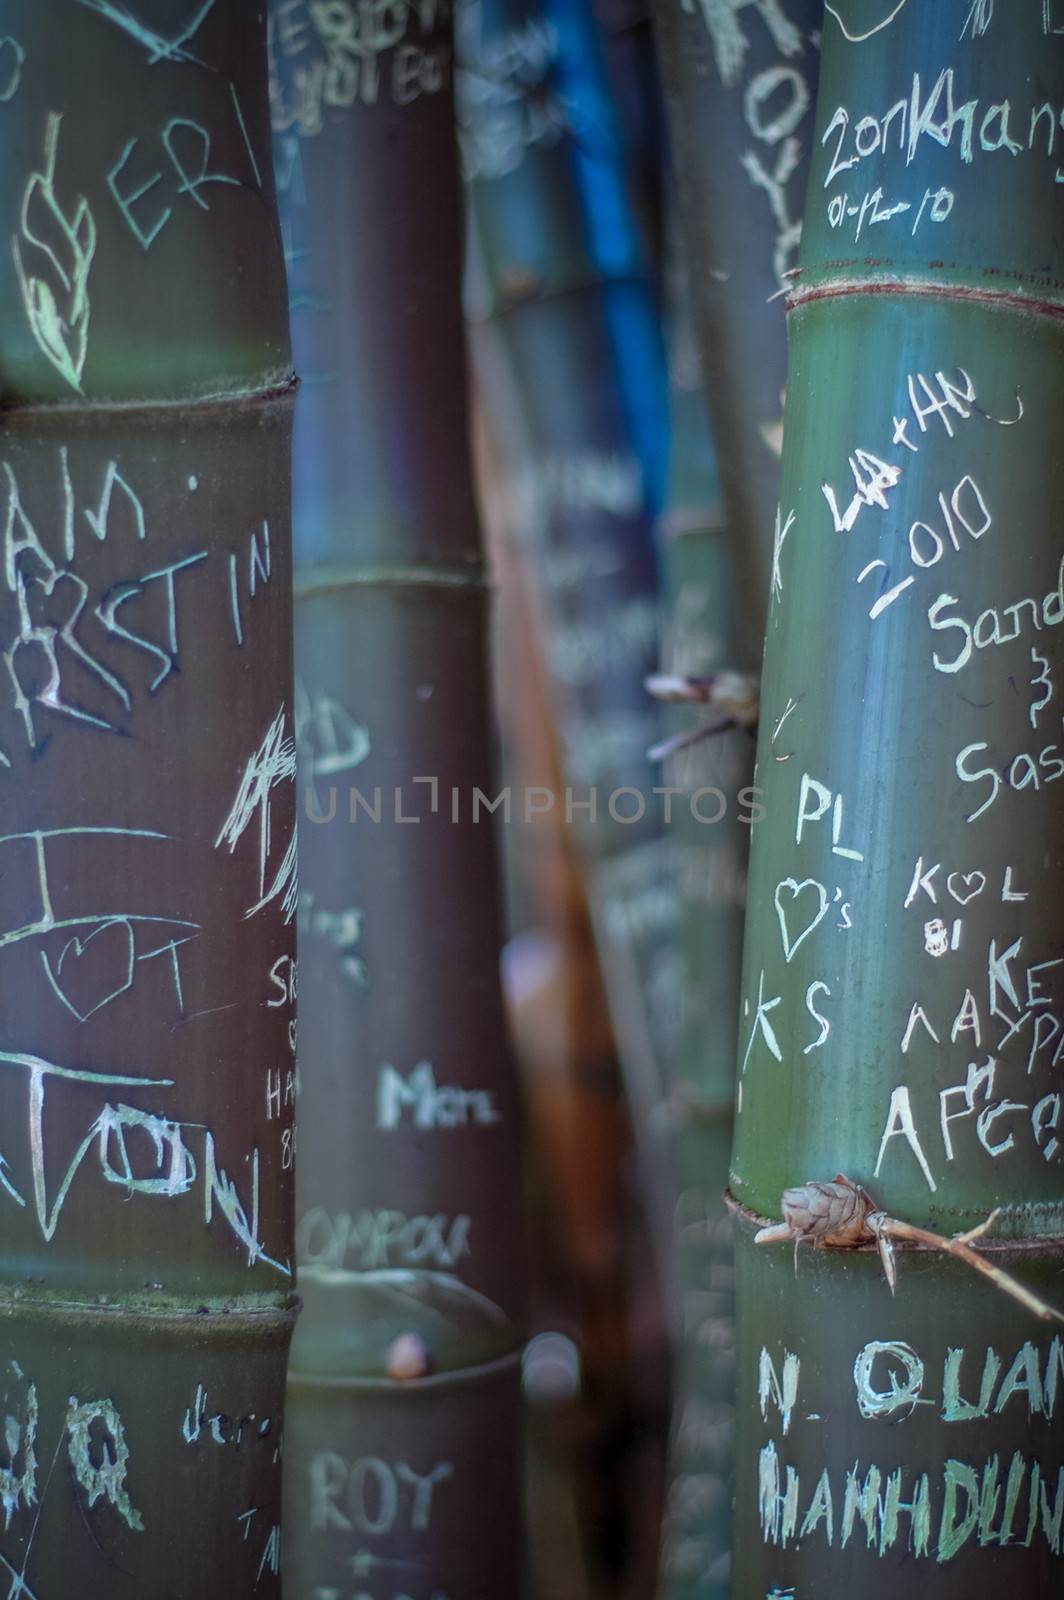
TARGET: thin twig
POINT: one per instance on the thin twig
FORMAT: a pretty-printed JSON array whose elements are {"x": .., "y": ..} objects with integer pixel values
[
  {"x": 842, "y": 1215},
  {"x": 960, "y": 1248},
  {"x": 683, "y": 741}
]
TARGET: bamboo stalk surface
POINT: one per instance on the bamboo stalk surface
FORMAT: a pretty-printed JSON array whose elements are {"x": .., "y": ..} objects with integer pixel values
[
  {"x": 902, "y": 972},
  {"x": 403, "y": 1475},
  {"x": 147, "y": 867}
]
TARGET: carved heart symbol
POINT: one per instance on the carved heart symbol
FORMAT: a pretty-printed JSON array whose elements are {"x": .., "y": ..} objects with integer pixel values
[
  {"x": 794, "y": 890},
  {"x": 83, "y": 975},
  {"x": 966, "y": 878}
]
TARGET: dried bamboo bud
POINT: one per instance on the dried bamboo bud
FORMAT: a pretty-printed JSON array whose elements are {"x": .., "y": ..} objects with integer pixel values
[
  {"x": 828, "y": 1213},
  {"x": 737, "y": 694},
  {"x": 734, "y": 695},
  {"x": 842, "y": 1214}
]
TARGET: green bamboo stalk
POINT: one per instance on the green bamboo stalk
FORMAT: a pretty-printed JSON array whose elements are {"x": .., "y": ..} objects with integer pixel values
[
  {"x": 901, "y": 982},
  {"x": 740, "y": 87},
  {"x": 403, "y": 1467},
  {"x": 147, "y": 850},
  {"x": 709, "y": 866}
]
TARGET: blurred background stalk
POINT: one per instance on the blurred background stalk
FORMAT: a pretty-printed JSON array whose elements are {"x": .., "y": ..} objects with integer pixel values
[
  {"x": 568, "y": 356},
  {"x": 738, "y": 82},
  {"x": 595, "y": 1367},
  {"x": 709, "y": 770},
  {"x": 740, "y": 88}
]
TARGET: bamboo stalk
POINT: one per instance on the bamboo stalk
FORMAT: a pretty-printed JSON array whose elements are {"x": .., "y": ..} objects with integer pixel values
[
  {"x": 709, "y": 866},
  {"x": 901, "y": 982},
  {"x": 739, "y": 178},
  {"x": 740, "y": 87},
  {"x": 567, "y": 350},
  {"x": 147, "y": 849},
  {"x": 403, "y": 1468},
  {"x": 596, "y": 1401}
]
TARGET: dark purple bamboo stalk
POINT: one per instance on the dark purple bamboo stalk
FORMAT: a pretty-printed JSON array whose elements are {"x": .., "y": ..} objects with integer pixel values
[
  {"x": 147, "y": 759},
  {"x": 403, "y": 1469}
]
